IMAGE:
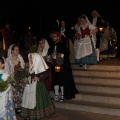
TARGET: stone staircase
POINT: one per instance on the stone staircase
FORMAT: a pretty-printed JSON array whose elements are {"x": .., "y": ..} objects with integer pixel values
[{"x": 99, "y": 90}]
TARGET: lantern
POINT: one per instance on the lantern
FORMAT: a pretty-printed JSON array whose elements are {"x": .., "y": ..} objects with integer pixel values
[{"x": 57, "y": 68}]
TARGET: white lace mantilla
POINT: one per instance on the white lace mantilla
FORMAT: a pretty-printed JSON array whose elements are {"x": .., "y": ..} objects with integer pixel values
[{"x": 10, "y": 64}]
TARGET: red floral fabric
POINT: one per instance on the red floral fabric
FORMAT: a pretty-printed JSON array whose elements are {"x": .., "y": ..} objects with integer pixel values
[{"x": 84, "y": 32}]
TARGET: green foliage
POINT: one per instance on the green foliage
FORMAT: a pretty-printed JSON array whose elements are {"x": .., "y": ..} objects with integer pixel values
[
  {"x": 22, "y": 75},
  {"x": 4, "y": 84}
]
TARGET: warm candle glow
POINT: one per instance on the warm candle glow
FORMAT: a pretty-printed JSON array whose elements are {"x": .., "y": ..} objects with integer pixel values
[
  {"x": 101, "y": 29},
  {"x": 57, "y": 68}
]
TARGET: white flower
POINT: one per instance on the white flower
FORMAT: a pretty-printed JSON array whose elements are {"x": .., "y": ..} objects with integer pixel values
[{"x": 5, "y": 76}]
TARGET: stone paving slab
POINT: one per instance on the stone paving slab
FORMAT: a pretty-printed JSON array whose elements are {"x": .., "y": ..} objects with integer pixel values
[{"x": 62, "y": 114}]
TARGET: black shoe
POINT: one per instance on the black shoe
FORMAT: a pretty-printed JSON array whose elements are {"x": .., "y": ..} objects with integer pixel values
[
  {"x": 56, "y": 98},
  {"x": 81, "y": 65},
  {"x": 62, "y": 98},
  {"x": 85, "y": 69}
]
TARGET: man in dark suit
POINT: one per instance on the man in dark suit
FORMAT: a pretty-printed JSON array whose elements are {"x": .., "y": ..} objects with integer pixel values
[{"x": 100, "y": 24}]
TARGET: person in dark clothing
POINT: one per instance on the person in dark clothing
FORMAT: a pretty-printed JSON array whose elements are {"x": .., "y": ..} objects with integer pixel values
[
  {"x": 67, "y": 39},
  {"x": 99, "y": 22},
  {"x": 8, "y": 36},
  {"x": 62, "y": 77}
]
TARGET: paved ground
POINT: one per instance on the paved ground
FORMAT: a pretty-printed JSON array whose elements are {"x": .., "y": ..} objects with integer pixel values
[
  {"x": 62, "y": 114},
  {"x": 112, "y": 61}
]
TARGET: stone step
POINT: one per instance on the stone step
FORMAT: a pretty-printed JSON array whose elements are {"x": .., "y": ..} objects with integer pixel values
[
  {"x": 101, "y": 98},
  {"x": 100, "y": 94},
  {"x": 93, "y": 93},
  {"x": 94, "y": 81},
  {"x": 99, "y": 85},
  {"x": 98, "y": 89},
  {"x": 96, "y": 97},
  {"x": 97, "y": 67},
  {"x": 97, "y": 74},
  {"x": 87, "y": 106}
]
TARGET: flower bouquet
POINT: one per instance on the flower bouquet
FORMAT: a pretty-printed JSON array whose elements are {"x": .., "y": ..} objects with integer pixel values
[
  {"x": 4, "y": 84},
  {"x": 22, "y": 75},
  {"x": 77, "y": 36}
]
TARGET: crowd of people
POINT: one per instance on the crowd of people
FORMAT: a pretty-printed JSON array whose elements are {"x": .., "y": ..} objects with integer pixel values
[
  {"x": 50, "y": 65},
  {"x": 31, "y": 98}
]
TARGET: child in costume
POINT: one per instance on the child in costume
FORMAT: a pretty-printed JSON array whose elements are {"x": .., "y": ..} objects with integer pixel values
[{"x": 6, "y": 104}]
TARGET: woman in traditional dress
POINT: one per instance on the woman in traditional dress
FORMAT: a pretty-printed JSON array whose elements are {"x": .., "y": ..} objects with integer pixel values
[
  {"x": 108, "y": 38},
  {"x": 6, "y": 103},
  {"x": 43, "y": 50},
  {"x": 85, "y": 47},
  {"x": 36, "y": 103},
  {"x": 14, "y": 62}
]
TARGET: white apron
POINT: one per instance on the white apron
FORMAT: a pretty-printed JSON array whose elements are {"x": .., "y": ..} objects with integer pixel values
[
  {"x": 83, "y": 48},
  {"x": 29, "y": 96}
]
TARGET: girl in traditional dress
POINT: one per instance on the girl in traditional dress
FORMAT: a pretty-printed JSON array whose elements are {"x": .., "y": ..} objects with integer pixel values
[
  {"x": 36, "y": 102},
  {"x": 43, "y": 50},
  {"x": 6, "y": 104},
  {"x": 85, "y": 47},
  {"x": 14, "y": 62}
]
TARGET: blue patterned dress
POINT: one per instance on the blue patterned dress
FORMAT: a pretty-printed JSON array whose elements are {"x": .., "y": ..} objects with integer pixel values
[{"x": 6, "y": 104}]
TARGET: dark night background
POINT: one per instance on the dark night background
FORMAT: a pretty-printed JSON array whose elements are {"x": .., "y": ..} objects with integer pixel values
[{"x": 41, "y": 15}]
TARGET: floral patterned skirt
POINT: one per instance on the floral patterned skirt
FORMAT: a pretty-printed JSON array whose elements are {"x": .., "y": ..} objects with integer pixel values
[
  {"x": 18, "y": 93},
  {"x": 9, "y": 108}
]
